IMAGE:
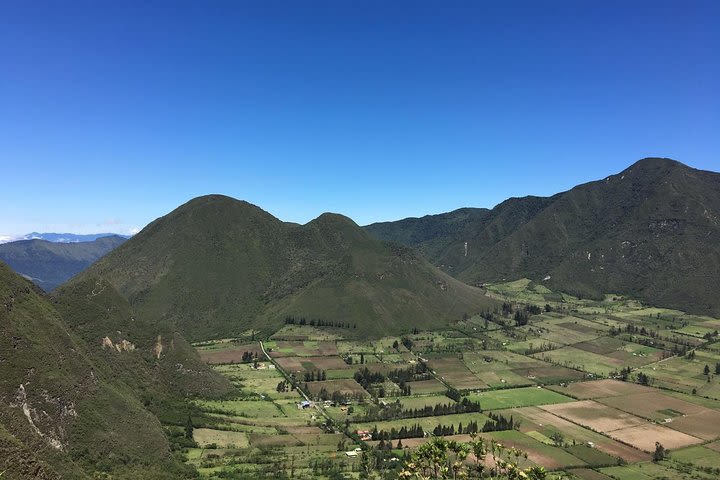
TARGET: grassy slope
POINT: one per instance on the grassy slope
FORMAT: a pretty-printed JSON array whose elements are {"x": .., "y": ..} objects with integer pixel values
[
  {"x": 86, "y": 419},
  {"x": 49, "y": 264},
  {"x": 93, "y": 310},
  {"x": 652, "y": 230},
  {"x": 218, "y": 267}
]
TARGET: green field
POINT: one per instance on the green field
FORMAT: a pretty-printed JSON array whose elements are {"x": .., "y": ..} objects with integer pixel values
[
  {"x": 571, "y": 349},
  {"x": 517, "y": 397}
]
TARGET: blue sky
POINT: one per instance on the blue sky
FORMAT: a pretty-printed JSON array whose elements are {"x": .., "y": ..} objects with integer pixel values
[{"x": 114, "y": 113}]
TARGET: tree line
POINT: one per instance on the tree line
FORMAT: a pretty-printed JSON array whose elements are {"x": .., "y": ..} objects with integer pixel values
[
  {"x": 395, "y": 411},
  {"x": 496, "y": 423},
  {"x": 317, "y": 322}
]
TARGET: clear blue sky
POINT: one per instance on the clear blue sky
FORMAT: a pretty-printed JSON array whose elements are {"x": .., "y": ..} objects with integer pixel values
[{"x": 115, "y": 112}]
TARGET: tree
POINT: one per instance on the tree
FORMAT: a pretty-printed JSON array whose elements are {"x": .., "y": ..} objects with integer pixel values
[
  {"x": 717, "y": 368},
  {"x": 558, "y": 439},
  {"x": 521, "y": 318},
  {"x": 660, "y": 453},
  {"x": 706, "y": 370},
  {"x": 396, "y": 345},
  {"x": 189, "y": 428},
  {"x": 443, "y": 459}
]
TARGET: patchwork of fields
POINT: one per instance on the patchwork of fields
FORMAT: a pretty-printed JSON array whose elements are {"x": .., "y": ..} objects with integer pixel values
[{"x": 586, "y": 389}]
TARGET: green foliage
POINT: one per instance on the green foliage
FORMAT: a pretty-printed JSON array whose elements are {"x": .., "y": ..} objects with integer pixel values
[
  {"x": 660, "y": 453},
  {"x": 90, "y": 420},
  {"x": 444, "y": 459},
  {"x": 217, "y": 267}
]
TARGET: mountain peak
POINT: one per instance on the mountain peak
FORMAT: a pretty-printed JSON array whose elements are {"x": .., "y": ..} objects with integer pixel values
[
  {"x": 335, "y": 218},
  {"x": 655, "y": 164},
  {"x": 216, "y": 199},
  {"x": 650, "y": 230}
]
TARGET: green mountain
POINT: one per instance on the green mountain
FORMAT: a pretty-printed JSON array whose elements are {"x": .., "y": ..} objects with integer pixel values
[
  {"x": 218, "y": 267},
  {"x": 48, "y": 264},
  {"x": 652, "y": 230},
  {"x": 71, "y": 409}
]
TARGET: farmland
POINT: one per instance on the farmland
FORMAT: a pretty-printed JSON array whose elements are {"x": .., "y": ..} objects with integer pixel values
[{"x": 585, "y": 388}]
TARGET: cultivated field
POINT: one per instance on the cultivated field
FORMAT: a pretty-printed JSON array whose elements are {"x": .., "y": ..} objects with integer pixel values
[{"x": 576, "y": 389}]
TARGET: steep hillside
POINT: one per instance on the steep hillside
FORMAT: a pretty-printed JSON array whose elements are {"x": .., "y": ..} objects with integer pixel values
[
  {"x": 217, "y": 266},
  {"x": 63, "y": 413},
  {"x": 151, "y": 358},
  {"x": 48, "y": 264},
  {"x": 652, "y": 230}
]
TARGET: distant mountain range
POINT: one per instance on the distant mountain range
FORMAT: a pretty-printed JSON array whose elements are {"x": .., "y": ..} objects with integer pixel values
[
  {"x": 652, "y": 231},
  {"x": 59, "y": 237},
  {"x": 48, "y": 263}
]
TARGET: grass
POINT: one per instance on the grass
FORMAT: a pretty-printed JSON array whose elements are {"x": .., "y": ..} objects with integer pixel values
[
  {"x": 684, "y": 375},
  {"x": 591, "y": 456},
  {"x": 423, "y": 401},
  {"x": 699, "y": 456},
  {"x": 504, "y": 381},
  {"x": 427, "y": 423},
  {"x": 654, "y": 471},
  {"x": 258, "y": 409},
  {"x": 517, "y": 397},
  {"x": 576, "y": 358},
  {"x": 221, "y": 438},
  {"x": 549, "y": 455}
]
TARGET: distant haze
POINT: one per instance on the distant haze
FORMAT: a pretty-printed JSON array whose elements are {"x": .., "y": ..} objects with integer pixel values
[{"x": 58, "y": 237}]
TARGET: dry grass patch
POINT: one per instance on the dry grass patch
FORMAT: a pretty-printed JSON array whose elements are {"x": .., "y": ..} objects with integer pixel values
[
  {"x": 653, "y": 405},
  {"x": 344, "y": 386},
  {"x": 588, "y": 474},
  {"x": 601, "y": 388},
  {"x": 221, "y": 438},
  {"x": 714, "y": 446},
  {"x": 676, "y": 413},
  {"x": 307, "y": 348},
  {"x": 310, "y": 364},
  {"x": 426, "y": 386},
  {"x": 230, "y": 355},
  {"x": 705, "y": 425},
  {"x": 261, "y": 440},
  {"x": 645, "y": 436},
  {"x": 537, "y": 419},
  {"x": 548, "y": 374},
  {"x": 595, "y": 416},
  {"x": 454, "y": 371}
]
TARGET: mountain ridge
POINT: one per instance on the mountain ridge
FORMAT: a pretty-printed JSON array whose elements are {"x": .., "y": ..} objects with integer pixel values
[
  {"x": 250, "y": 267},
  {"x": 71, "y": 409},
  {"x": 49, "y": 264},
  {"x": 665, "y": 211}
]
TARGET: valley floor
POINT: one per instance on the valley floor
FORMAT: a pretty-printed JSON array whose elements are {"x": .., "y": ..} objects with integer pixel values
[{"x": 584, "y": 388}]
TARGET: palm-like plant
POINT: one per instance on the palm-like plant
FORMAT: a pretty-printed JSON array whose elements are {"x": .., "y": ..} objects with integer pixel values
[{"x": 443, "y": 459}]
